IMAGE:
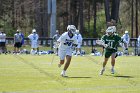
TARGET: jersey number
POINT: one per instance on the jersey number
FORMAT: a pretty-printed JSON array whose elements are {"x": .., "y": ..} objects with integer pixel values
[
  {"x": 68, "y": 43},
  {"x": 34, "y": 38},
  {"x": 110, "y": 44}
]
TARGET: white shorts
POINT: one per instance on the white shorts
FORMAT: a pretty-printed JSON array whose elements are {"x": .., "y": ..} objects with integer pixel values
[
  {"x": 34, "y": 45},
  {"x": 63, "y": 53}
]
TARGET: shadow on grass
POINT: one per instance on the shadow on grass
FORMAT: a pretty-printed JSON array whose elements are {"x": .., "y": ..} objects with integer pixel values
[
  {"x": 79, "y": 77},
  {"x": 121, "y": 76}
]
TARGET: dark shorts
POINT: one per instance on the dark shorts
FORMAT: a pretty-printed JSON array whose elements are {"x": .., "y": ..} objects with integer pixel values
[
  {"x": 17, "y": 44},
  {"x": 2, "y": 44},
  {"x": 108, "y": 53}
]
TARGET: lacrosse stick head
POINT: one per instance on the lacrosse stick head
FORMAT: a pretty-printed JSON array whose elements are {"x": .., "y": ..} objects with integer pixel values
[{"x": 100, "y": 42}]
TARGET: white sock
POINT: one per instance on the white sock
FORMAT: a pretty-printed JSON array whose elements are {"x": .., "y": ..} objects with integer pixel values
[{"x": 64, "y": 71}]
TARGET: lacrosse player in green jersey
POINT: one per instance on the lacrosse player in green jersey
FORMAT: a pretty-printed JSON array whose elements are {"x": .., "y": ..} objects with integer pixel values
[{"x": 110, "y": 42}]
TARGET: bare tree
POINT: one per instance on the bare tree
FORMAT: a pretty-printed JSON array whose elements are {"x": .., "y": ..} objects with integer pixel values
[
  {"x": 114, "y": 10},
  {"x": 136, "y": 5},
  {"x": 95, "y": 19},
  {"x": 81, "y": 16}
]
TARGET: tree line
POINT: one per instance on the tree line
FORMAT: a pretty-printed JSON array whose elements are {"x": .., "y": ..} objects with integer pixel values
[{"x": 89, "y": 16}]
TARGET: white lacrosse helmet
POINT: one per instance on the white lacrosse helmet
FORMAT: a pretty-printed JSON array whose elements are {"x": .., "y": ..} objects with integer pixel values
[
  {"x": 111, "y": 29},
  {"x": 77, "y": 31},
  {"x": 17, "y": 30},
  {"x": 126, "y": 32},
  {"x": 34, "y": 30},
  {"x": 71, "y": 28},
  {"x": 57, "y": 31},
  {"x": 114, "y": 28}
]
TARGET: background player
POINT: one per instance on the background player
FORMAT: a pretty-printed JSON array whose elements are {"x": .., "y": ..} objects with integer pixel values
[
  {"x": 17, "y": 42},
  {"x": 3, "y": 42},
  {"x": 34, "y": 42},
  {"x": 79, "y": 40},
  {"x": 55, "y": 38},
  {"x": 138, "y": 40},
  {"x": 126, "y": 39}
]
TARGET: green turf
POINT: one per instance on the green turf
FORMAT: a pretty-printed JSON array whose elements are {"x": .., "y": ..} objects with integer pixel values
[{"x": 35, "y": 74}]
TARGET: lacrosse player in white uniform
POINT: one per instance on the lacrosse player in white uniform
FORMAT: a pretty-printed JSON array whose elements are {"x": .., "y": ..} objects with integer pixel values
[
  {"x": 138, "y": 40},
  {"x": 17, "y": 42},
  {"x": 126, "y": 39},
  {"x": 55, "y": 38},
  {"x": 79, "y": 40},
  {"x": 34, "y": 42},
  {"x": 66, "y": 42}
]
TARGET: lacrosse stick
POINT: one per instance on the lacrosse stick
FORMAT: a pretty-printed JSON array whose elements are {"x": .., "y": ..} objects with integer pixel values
[
  {"x": 73, "y": 46},
  {"x": 56, "y": 46},
  {"x": 52, "y": 59},
  {"x": 100, "y": 42}
]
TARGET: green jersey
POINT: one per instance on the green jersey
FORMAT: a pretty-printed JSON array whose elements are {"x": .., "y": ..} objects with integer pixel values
[{"x": 112, "y": 41}]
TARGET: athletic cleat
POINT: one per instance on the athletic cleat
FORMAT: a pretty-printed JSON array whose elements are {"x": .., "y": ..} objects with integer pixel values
[
  {"x": 112, "y": 71},
  {"x": 102, "y": 71},
  {"x": 63, "y": 73}
]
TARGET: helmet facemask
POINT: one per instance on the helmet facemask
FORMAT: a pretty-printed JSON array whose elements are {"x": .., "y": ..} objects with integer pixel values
[
  {"x": 71, "y": 29},
  {"x": 111, "y": 30}
]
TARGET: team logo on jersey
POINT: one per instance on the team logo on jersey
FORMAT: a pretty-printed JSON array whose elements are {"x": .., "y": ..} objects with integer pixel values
[
  {"x": 110, "y": 40},
  {"x": 68, "y": 42}
]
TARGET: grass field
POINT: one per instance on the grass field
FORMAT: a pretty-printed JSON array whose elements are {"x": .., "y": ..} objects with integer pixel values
[{"x": 35, "y": 74}]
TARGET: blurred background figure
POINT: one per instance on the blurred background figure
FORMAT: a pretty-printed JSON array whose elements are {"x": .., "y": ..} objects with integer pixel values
[
  {"x": 22, "y": 35},
  {"x": 17, "y": 42},
  {"x": 138, "y": 40},
  {"x": 79, "y": 40},
  {"x": 34, "y": 42},
  {"x": 3, "y": 42},
  {"x": 55, "y": 45},
  {"x": 22, "y": 39},
  {"x": 126, "y": 39}
]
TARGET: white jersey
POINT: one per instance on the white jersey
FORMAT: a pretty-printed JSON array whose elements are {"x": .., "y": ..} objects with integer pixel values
[
  {"x": 66, "y": 42},
  {"x": 126, "y": 38},
  {"x": 34, "y": 40},
  {"x": 138, "y": 40},
  {"x": 33, "y": 37},
  {"x": 55, "y": 37},
  {"x": 2, "y": 37},
  {"x": 79, "y": 38}
]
